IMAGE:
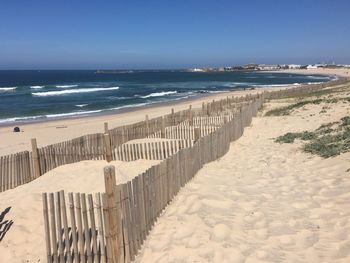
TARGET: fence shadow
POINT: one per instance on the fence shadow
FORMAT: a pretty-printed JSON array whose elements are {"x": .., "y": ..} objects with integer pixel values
[
  {"x": 5, "y": 225},
  {"x": 94, "y": 252}
]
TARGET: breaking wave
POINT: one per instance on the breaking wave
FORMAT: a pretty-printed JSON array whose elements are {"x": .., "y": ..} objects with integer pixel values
[
  {"x": 71, "y": 91},
  {"x": 66, "y": 86},
  {"x": 7, "y": 88},
  {"x": 36, "y": 87},
  {"x": 158, "y": 94}
]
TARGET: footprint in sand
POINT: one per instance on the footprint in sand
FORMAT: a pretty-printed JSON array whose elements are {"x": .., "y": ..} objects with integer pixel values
[
  {"x": 301, "y": 205},
  {"x": 193, "y": 242},
  {"x": 221, "y": 232},
  {"x": 292, "y": 223},
  {"x": 260, "y": 224},
  {"x": 286, "y": 240},
  {"x": 253, "y": 217},
  {"x": 342, "y": 250},
  {"x": 194, "y": 208},
  {"x": 306, "y": 239},
  {"x": 184, "y": 231},
  {"x": 217, "y": 204},
  {"x": 261, "y": 233}
]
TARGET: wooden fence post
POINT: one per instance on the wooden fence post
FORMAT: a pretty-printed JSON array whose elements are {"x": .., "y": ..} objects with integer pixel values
[
  {"x": 35, "y": 158},
  {"x": 112, "y": 212},
  {"x": 106, "y": 130},
  {"x": 190, "y": 117},
  {"x": 197, "y": 133},
  {"x": 108, "y": 148},
  {"x": 162, "y": 131},
  {"x": 47, "y": 228},
  {"x": 172, "y": 117},
  {"x": 147, "y": 125}
]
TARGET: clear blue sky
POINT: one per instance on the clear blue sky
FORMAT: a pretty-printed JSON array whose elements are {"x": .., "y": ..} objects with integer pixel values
[{"x": 96, "y": 34}]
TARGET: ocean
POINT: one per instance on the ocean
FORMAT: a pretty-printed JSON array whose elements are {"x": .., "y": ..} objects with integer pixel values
[{"x": 27, "y": 96}]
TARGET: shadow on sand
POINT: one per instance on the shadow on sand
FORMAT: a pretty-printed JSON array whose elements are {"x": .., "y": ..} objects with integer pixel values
[{"x": 5, "y": 225}]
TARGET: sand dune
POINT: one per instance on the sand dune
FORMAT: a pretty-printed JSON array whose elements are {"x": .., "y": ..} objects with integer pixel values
[{"x": 261, "y": 202}]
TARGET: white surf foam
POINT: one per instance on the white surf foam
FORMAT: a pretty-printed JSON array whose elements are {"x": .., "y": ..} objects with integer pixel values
[
  {"x": 310, "y": 83},
  {"x": 234, "y": 84},
  {"x": 319, "y": 77},
  {"x": 81, "y": 105},
  {"x": 130, "y": 106},
  {"x": 277, "y": 85},
  {"x": 66, "y": 86},
  {"x": 159, "y": 94},
  {"x": 16, "y": 119},
  {"x": 58, "y": 115},
  {"x": 37, "y": 87},
  {"x": 7, "y": 88},
  {"x": 71, "y": 91}
]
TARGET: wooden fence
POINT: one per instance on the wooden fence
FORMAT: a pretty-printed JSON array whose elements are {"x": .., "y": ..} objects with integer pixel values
[
  {"x": 82, "y": 238},
  {"x": 15, "y": 169},
  {"x": 154, "y": 150},
  {"x": 131, "y": 209}
]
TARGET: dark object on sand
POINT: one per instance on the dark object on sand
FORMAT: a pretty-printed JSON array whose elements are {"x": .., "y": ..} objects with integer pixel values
[{"x": 16, "y": 129}]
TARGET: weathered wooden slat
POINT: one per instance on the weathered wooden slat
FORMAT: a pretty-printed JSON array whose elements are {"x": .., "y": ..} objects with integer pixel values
[
  {"x": 53, "y": 228},
  {"x": 81, "y": 239},
  {"x": 68, "y": 255},
  {"x": 73, "y": 228}
]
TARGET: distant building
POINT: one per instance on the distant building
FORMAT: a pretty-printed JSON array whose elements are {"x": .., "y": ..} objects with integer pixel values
[
  {"x": 314, "y": 66},
  {"x": 268, "y": 67},
  {"x": 251, "y": 66},
  {"x": 197, "y": 70},
  {"x": 294, "y": 66}
]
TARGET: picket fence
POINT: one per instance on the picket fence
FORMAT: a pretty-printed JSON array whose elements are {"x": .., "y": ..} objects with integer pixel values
[
  {"x": 15, "y": 169},
  {"x": 154, "y": 150}
]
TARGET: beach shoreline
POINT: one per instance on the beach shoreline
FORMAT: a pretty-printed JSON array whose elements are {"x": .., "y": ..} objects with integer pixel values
[
  {"x": 57, "y": 130},
  {"x": 338, "y": 72},
  {"x": 50, "y": 131}
]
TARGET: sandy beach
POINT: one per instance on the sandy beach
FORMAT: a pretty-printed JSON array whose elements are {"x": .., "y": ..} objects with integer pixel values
[
  {"x": 261, "y": 202},
  {"x": 340, "y": 72}
]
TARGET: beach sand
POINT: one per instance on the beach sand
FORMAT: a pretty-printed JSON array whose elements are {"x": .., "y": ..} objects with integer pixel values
[
  {"x": 261, "y": 202},
  {"x": 340, "y": 72}
]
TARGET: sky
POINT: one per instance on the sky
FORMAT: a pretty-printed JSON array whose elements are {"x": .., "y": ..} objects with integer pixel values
[{"x": 86, "y": 34}]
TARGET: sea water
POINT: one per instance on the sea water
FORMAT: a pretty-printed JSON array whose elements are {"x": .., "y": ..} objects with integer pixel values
[{"x": 27, "y": 96}]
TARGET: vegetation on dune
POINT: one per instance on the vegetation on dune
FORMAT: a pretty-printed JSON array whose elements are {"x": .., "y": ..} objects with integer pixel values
[
  {"x": 291, "y": 136},
  {"x": 323, "y": 92},
  {"x": 288, "y": 109},
  {"x": 328, "y": 140},
  {"x": 301, "y": 101}
]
